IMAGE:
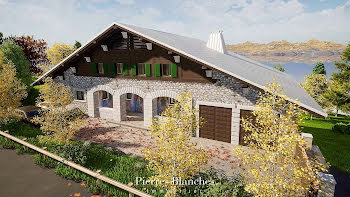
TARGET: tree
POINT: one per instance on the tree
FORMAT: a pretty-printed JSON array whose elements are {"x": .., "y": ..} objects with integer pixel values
[
  {"x": 279, "y": 67},
  {"x": 316, "y": 85},
  {"x": 57, "y": 122},
  {"x": 319, "y": 69},
  {"x": 59, "y": 51},
  {"x": 339, "y": 93},
  {"x": 77, "y": 45},
  {"x": 14, "y": 53},
  {"x": 276, "y": 163},
  {"x": 34, "y": 50},
  {"x": 12, "y": 90},
  {"x": 173, "y": 156}
]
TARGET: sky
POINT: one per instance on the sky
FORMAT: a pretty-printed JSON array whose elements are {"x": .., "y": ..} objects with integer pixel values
[{"x": 258, "y": 21}]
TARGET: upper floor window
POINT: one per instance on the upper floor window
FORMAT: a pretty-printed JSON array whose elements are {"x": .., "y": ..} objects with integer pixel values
[
  {"x": 165, "y": 69},
  {"x": 100, "y": 68},
  {"x": 119, "y": 68},
  {"x": 140, "y": 69}
]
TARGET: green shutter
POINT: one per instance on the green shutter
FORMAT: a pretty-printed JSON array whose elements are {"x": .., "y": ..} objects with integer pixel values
[
  {"x": 133, "y": 69},
  {"x": 157, "y": 70},
  {"x": 113, "y": 69},
  {"x": 125, "y": 69},
  {"x": 105, "y": 68},
  {"x": 173, "y": 70},
  {"x": 148, "y": 70},
  {"x": 94, "y": 68}
]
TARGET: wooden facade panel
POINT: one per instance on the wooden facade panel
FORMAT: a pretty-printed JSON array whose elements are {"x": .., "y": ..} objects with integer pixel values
[
  {"x": 218, "y": 123},
  {"x": 247, "y": 114},
  {"x": 187, "y": 70}
]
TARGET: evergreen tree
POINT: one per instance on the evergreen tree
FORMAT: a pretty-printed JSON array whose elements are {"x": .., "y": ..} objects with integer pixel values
[
  {"x": 319, "y": 69},
  {"x": 279, "y": 67}
]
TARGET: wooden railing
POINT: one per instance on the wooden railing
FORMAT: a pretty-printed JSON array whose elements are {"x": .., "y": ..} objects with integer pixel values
[{"x": 132, "y": 191}]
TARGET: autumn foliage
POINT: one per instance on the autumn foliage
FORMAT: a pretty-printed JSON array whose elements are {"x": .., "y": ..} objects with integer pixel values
[
  {"x": 275, "y": 160},
  {"x": 173, "y": 155},
  {"x": 58, "y": 122},
  {"x": 12, "y": 90}
]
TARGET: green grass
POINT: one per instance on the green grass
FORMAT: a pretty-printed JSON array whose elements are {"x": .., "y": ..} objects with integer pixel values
[{"x": 334, "y": 146}]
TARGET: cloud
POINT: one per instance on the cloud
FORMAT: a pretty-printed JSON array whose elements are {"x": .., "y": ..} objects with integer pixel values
[
  {"x": 126, "y": 2},
  {"x": 241, "y": 20}
]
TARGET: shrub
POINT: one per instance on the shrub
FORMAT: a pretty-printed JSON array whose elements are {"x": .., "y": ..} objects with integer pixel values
[
  {"x": 45, "y": 161},
  {"x": 76, "y": 152},
  {"x": 220, "y": 185},
  {"x": 341, "y": 128}
]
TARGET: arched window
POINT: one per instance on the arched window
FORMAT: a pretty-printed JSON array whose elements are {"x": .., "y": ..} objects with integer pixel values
[{"x": 105, "y": 99}]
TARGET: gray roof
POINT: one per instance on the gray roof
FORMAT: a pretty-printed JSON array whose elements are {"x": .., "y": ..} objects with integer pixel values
[{"x": 244, "y": 69}]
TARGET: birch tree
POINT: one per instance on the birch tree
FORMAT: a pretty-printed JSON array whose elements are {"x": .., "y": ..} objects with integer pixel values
[
  {"x": 275, "y": 160},
  {"x": 173, "y": 156},
  {"x": 57, "y": 122},
  {"x": 12, "y": 90}
]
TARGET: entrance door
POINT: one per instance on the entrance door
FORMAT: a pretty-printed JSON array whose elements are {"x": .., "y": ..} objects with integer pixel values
[{"x": 217, "y": 123}]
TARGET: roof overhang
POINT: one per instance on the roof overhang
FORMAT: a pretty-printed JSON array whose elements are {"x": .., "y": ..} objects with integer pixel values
[{"x": 171, "y": 48}]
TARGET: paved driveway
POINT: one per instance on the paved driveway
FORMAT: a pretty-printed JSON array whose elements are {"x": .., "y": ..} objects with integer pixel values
[
  {"x": 20, "y": 176},
  {"x": 133, "y": 141}
]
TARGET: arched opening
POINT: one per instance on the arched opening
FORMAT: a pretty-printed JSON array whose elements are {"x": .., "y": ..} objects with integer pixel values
[
  {"x": 160, "y": 104},
  {"x": 103, "y": 104},
  {"x": 131, "y": 107}
]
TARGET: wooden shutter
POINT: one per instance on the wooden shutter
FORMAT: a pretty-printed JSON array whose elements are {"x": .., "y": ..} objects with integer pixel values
[
  {"x": 133, "y": 69},
  {"x": 105, "y": 68},
  {"x": 148, "y": 70},
  {"x": 125, "y": 69},
  {"x": 173, "y": 70},
  {"x": 157, "y": 70},
  {"x": 112, "y": 68},
  {"x": 94, "y": 68}
]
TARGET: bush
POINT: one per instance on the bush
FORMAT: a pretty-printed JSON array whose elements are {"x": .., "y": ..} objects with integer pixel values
[
  {"x": 18, "y": 128},
  {"x": 220, "y": 185},
  {"x": 341, "y": 128},
  {"x": 76, "y": 152},
  {"x": 33, "y": 93},
  {"x": 45, "y": 161}
]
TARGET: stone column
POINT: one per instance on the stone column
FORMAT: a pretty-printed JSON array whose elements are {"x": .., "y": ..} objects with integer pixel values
[
  {"x": 308, "y": 139},
  {"x": 147, "y": 110},
  {"x": 235, "y": 124}
]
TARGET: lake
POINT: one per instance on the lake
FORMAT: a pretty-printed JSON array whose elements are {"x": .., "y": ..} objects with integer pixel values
[{"x": 299, "y": 70}]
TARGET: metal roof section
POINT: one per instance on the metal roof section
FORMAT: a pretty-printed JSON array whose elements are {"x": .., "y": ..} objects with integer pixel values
[{"x": 242, "y": 68}]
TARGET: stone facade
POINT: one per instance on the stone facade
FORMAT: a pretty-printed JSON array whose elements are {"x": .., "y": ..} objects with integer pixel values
[{"x": 226, "y": 92}]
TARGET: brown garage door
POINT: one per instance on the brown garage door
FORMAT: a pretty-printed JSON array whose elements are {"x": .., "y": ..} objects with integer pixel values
[
  {"x": 217, "y": 123},
  {"x": 245, "y": 114}
]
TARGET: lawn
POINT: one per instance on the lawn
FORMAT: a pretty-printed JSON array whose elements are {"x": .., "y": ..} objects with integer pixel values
[{"x": 335, "y": 147}]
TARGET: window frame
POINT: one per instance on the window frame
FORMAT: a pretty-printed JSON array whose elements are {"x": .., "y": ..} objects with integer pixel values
[
  {"x": 128, "y": 99},
  {"x": 162, "y": 70},
  {"x": 119, "y": 67},
  {"x": 171, "y": 101},
  {"x": 75, "y": 91},
  {"x": 143, "y": 69},
  {"x": 100, "y": 68}
]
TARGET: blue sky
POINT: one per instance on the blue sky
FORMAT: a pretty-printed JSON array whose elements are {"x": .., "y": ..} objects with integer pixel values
[{"x": 241, "y": 20}]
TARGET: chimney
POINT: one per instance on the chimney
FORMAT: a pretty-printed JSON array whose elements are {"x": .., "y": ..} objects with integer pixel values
[{"x": 216, "y": 42}]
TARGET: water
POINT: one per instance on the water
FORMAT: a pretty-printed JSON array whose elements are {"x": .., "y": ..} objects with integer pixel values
[{"x": 299, "y": 70}]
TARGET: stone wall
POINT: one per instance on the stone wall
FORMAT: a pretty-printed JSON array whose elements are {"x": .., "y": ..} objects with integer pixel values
[{"x": 225, "y": 92}]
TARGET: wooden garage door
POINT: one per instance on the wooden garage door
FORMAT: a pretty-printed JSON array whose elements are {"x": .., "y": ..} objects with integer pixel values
[
  {"x": 217, "y": 123},
  {"x": 245, "y": 114}
]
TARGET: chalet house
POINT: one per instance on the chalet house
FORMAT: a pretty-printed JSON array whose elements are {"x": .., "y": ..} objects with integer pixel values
[{"x": 133, "y": 73}]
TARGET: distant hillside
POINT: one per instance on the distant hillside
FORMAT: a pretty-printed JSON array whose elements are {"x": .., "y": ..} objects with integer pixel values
[{"x": 283, "y": 51}]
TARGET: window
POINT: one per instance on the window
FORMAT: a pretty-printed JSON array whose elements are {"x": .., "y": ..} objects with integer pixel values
[
  {"x": 80, "y": 95},
  {"x": 140, "y": 69},
  {"x": 128, "y": 96},
  {"x": 171, "y": 101},
  {"x": 100, "y": 68},
  {"x": 119, "y": 68},
  {"x": 165, "y": 69},
  {"x": 105, "y": 99}
]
